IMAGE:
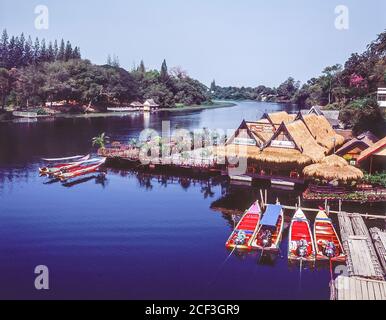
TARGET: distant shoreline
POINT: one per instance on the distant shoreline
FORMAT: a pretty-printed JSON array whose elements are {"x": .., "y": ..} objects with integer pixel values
[{"x": 214, "y": 105}]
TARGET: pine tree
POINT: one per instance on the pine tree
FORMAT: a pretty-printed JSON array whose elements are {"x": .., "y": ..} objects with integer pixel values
[
  {"x": 28, "y": 52},
  {"x": 68, "y": 51},
  {"x": 36, "y": 51},
  {"x": 142, "y": 68},
  {"x": 76, "y": 53},
  {"x": 62, "y": 51},
  {"x": 109, "y": 61},
  {"x": 4, "y": 49},
  {"x": 164, "y": 76},
  {"x": 19, "y": 50},
  {"x": 11, "y": 53},
  {"x": 43, "y": 57},
  {"x": 56, "y": 50},
  {"x": 213, "y": 86},
  {"x": 50, "y": 52}
]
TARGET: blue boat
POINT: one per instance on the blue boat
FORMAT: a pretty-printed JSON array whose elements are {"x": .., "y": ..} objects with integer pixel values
[{"x": 269, "y": 234}]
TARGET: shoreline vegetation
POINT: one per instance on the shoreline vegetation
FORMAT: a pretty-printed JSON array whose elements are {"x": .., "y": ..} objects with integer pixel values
[
  {"x": 52, "y": 78},
  {"x": 350, "y": 88}
]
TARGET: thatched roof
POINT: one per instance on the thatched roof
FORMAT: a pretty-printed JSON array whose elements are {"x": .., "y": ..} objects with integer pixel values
[
  {"x": 333, "y": 168},
  {"x": 304, "y": 141},
  {"x": 267, "y": 155},
  {"x": 276, "y": 118},
  {"x": 322, "y": 131},
  {"x": 136, "y": 104},
  {"x": 374, "y": 149},
  {"x": 150, "y": 103}
]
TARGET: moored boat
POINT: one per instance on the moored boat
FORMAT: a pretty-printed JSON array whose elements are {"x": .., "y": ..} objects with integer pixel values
[
  {"x": 300, "y": 241},
  {"x": 82, "y": 171},
  {"x": 242, "y": 234},
  {"x": 62, "y": 166},
  {"x": 78, "y": 158},
  {"x": 268, "y": 235},
  {"x": 327, "y": 243}
]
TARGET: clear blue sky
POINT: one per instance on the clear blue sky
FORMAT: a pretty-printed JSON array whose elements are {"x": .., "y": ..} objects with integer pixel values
[{"x": 243, "y": 42}]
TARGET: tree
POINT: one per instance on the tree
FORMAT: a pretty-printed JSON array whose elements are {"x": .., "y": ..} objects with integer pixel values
[
  {"x": 28, "y": 56},
  {"x": 43, "y": 56},
  {"x": 100, "y": 141},
  {"x": 68, "y": 51},
  {"x": 213, "y": 86},
  {"x": 330, "y": 75},
  {"x": 36, "y": 51},
  {"x": 56, "y": 50},
  {"x": 164, "y": 76},
  {"x": 142, "y": 68},
  {"x": 4, "y": 86},
  {"x": 50, "y": 53},
  {"x": 4, "y": 49},
  {"x": 76, "y": 53},
  {"x": 62, "y": 51}
]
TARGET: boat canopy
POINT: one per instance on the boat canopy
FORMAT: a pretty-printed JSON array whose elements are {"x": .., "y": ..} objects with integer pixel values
[{"x": 271, "y": 215}]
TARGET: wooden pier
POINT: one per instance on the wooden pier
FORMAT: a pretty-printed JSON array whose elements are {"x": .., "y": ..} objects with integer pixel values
[
  {"x": 366, "y": 261},
  {"x": 353, "y": 288}
]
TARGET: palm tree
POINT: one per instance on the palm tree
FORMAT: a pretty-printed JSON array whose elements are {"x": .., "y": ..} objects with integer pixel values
[{"x": 100, "y": 141}]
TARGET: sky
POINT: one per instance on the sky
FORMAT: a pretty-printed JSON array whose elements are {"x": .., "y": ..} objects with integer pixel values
[{"x": 238, "y": 43}]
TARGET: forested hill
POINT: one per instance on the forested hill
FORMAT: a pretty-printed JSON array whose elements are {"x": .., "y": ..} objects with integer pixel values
[
  {"x": 35, "y": 72},
  {"x": 350, "y": 88}
]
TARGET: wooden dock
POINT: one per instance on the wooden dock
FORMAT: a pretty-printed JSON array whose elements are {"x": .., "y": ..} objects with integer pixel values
[
  {"x": 366, "y": 262},
  {"x": 362, "y": 260},
  {"x": 379, "y": 239},
  {"x": 353, "y": 288}
]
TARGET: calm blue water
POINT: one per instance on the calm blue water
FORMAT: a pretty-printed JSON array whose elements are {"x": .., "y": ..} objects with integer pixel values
[{"x": 132, "y": 236}]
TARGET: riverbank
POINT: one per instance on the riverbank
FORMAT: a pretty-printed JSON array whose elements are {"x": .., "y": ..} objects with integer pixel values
[{"x": 214, "y": 105}]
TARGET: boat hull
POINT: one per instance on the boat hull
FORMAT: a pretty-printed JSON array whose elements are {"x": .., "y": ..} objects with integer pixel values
[
  {"x": 324, "y": 231},
  {"x": 300, "y": 231}
]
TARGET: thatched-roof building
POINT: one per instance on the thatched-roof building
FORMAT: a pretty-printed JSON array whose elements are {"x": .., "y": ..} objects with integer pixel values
[
  {"x": 333, "y": 168},
  {"x": 281, "y": 149},
  {"x": 136, "y": 104},
  {"x": 149, "y": 105},
  {"x": 352, "y": 149}
]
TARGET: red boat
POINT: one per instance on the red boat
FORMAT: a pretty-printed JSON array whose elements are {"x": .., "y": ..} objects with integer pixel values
[
  {"x": 61, "y": 166},
  {"x": 327, "y": 243},
  {"x": 80, "y": 172},
  {"x": 301, "y": 245},
  {"x": 242, "y": 235}
]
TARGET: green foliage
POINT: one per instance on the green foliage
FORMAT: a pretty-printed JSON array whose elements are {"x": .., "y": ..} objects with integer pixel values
[
  {"x": 363, "y": 115},
  {"x": 100, "y": 141},
  {"x": 376, "y": 179}
]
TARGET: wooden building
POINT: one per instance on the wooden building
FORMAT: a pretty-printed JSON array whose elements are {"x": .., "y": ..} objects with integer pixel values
[
  {"x": 373, "y": 159},
  {"x": 150, "y": 105},
  {"x": 292, "y": 145},
  {"x": 352, "y": 149}
]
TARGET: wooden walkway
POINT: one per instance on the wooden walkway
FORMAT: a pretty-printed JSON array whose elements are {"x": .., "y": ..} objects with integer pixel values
[
  {"x": 362, "y": 260},
  {"x": 353, "y": 288},
  {"x": 379, "y": 239}
]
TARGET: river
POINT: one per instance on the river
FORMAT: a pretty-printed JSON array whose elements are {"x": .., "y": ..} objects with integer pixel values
[{"x": 132, "y": 236}]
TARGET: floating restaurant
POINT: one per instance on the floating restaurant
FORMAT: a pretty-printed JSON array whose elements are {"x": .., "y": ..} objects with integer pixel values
[{"x": 279, "y": 151}]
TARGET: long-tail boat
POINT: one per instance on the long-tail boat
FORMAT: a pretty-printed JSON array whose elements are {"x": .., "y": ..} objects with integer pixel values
[
  {"x": 268, "y": 235},
  {"x": 301, "y": 245},
  {"x": 82, "y": 171},
  {"x": 327, "y": 243},
  {"x": 62, "y": 166},
  {"x": 242, "y": 234}
]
